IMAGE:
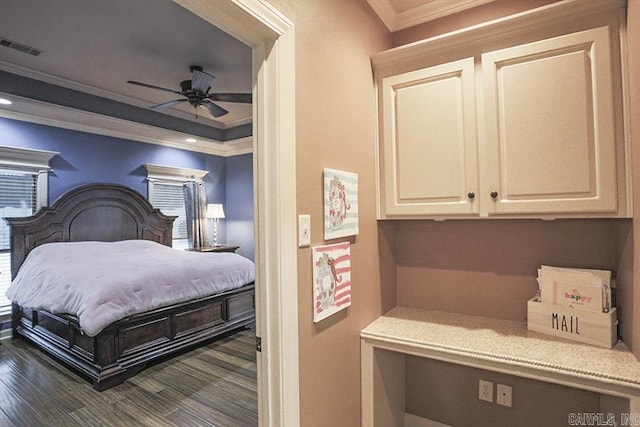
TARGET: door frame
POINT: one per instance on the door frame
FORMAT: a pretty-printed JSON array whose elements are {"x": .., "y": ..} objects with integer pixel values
[{"x": 271, "y": 36}]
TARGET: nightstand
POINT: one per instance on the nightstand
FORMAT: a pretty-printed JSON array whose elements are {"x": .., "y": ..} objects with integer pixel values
[{"x": 217, "y": 248}]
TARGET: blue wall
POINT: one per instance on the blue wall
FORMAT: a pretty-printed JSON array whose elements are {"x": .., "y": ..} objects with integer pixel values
[
  {"x": 239, "y": 206},
  {"x": 85, "y": 158}
]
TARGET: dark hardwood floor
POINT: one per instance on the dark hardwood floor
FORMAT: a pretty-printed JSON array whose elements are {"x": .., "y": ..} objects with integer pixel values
[{"x": 214, "y": 385}]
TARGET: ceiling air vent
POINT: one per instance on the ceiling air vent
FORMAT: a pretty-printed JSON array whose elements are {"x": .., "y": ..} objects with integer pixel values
[{"x": 19, "y": 47}]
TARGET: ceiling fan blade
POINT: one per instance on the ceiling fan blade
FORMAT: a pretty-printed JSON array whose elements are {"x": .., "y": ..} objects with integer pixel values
[
  {"x": 168, "y": 104},
  {"x": 213, "y": 109},
  {"x": 231, "y": 97},
  {"x": 201, "y": 81},
  {"x": 153, "y": 87}
]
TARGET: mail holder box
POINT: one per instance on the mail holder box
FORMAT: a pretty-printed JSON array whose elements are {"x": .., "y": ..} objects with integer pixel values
[{"x": 575, "y": 324}]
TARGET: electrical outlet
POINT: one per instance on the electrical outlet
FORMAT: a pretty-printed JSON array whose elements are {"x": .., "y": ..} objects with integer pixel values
[
  {"x": 485, "y": 391},
  {"x": 503, "y": 395}
]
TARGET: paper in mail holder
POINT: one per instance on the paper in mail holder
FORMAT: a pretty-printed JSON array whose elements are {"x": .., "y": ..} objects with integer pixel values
[{"x": 583, "y": 289}]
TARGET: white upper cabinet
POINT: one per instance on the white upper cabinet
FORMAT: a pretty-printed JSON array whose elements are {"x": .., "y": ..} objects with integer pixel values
[
  {"x": 527, "y": 124},
  {"x": 550, "y": 130},
  {"x": 430, "y": 153}
]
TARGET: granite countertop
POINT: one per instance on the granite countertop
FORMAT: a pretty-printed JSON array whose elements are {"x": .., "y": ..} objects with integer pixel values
[{"x": 507, "y": 342}]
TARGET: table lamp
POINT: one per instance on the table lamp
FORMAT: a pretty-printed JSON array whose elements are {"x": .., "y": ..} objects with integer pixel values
[{"x": 215, "y": 211}]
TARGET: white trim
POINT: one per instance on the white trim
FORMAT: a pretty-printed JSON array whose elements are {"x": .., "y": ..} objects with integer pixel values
[
  {"x": 42, "y": 188},
  {"x": 25, "y": 158},
  {"x": 33, "y": 111},
  {"x": 434, "y": 9},
  {"x": 172, "y": 173},
  {"x": 626, "y": 108},
  {"x": 277, "y": 236},
  {"x": 271, "y": 36}
]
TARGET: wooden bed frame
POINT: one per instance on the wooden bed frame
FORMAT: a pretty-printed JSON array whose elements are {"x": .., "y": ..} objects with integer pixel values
[{"x": 111, "y": 212}]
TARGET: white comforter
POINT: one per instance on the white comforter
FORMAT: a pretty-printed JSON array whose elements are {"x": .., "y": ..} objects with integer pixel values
[{"x": 102, "y": 282}]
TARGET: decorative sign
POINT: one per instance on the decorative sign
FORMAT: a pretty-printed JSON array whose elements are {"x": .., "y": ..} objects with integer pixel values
[
  {"x": 331, "y": 279},
  {"x": 340, "y": 204}
]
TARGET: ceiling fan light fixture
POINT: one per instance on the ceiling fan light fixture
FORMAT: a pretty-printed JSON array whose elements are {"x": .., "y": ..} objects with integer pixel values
[
  {"x": 196, "y": 93},
  {"x": 201, "y": 81}
]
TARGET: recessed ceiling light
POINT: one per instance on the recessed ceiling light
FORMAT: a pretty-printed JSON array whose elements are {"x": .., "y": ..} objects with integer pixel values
[
  {"x": 190, "y": 140},
  {"x": 5, "y": 101}
]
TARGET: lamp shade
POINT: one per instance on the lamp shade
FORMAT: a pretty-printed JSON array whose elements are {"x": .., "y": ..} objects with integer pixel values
[{"x": 215, "y": 210}]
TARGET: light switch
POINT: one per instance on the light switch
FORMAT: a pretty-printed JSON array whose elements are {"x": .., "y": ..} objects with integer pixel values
[{"x": 304, "y": 230}]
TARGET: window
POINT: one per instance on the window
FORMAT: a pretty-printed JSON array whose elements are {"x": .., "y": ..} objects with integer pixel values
[
  {"x": 167, "y": 194},
  {"x": 169, "y": 198},
  {"x": 23, "y": 190}
]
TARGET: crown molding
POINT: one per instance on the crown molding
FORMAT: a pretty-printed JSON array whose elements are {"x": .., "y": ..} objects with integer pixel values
[
  {"x": 29, "y": 110},
  {"x": 26, "y": 157},
  {"x": 172, "y": 173},
  {"x": 429, "y": 11},
  {"x": 502, "y": 28},
  {"x": 385, "y": 12}
]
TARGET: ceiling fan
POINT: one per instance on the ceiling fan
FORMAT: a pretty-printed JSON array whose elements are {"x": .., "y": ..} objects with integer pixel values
[{"x": 196, "y": 93}]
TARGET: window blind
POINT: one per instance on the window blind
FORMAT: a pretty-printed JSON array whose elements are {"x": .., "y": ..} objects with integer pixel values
[
  {"x": 169, "y": 198},
  {"x": 18, "y": 197}
]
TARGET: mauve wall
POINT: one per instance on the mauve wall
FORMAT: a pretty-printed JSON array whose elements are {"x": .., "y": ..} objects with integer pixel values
[
  {"x": 335, "y": 128},
  {"x": 85, "y": 158},
  {"x": 489, "y": 267}
]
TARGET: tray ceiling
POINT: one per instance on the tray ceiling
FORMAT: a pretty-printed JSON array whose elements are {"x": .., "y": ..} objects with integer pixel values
[{"x": 95, "y": 47}]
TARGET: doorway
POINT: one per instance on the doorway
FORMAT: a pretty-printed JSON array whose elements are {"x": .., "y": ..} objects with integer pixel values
[{"x": 271, "y": 37}]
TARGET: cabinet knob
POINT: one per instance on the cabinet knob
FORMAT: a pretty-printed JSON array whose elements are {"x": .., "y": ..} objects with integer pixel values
[
  {"x": 471, "y": 195},
  {"x": 494, "y": 194}
]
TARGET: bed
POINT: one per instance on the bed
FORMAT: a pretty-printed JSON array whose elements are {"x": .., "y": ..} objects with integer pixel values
[{"x": 114, "y": 213}]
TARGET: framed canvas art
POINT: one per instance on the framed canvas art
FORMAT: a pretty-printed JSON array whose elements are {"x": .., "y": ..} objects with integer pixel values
[
  {"x": 331, "y": 279},
  {"x": 340, "y": 204}
]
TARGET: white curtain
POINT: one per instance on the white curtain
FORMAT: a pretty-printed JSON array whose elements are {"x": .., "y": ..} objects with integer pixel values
[{"x": 195, "y": 203}]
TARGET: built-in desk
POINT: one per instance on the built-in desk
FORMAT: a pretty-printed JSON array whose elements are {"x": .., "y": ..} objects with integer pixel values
[{"x": 495, "y": 345}]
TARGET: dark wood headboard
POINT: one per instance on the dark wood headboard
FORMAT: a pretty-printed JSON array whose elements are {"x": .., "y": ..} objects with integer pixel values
[{"x": 98, "y": 212}]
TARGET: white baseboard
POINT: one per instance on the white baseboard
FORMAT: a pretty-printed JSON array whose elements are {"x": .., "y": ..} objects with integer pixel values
[{"x": 411, "y": 420}]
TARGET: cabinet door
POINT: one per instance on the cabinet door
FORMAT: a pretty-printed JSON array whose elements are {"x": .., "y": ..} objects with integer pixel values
[
  {"x": 550, "y": 134},
  {"x": 429, "y": 155}
]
